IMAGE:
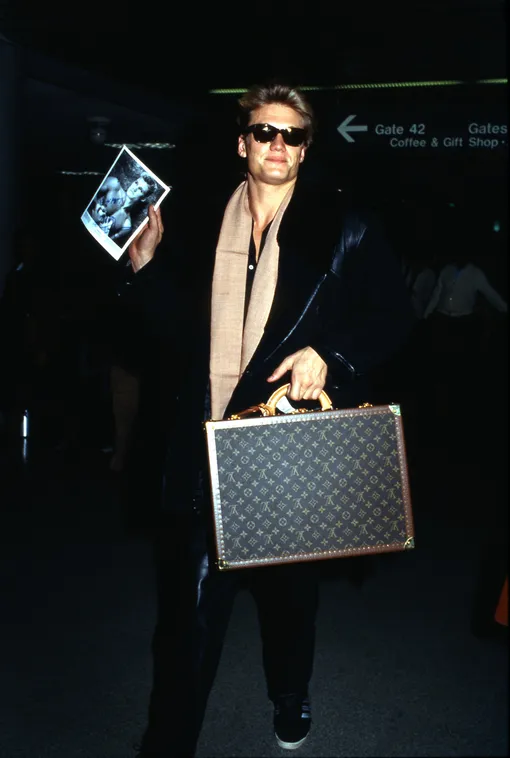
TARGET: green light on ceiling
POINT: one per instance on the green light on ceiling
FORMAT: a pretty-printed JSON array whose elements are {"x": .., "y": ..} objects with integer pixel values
[
  {"x": 141, "y": 145},
  {"x": 374, "y": 85}
]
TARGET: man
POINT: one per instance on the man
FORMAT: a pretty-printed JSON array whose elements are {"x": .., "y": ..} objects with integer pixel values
[
  {"x": 113, "y": 206},
  {"x": 457, "y": 291},
  {"x": 98, "y": 213},
  {"x": 302, "y": 291},
  {"x": 464, "y": 337},
  {"x": 114, "y": 197}
]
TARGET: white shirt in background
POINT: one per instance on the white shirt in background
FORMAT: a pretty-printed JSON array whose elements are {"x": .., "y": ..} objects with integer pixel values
[{"x": 457, "y": 289}]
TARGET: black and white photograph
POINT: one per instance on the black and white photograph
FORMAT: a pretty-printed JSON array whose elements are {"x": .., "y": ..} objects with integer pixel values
[{"x": 119, "y": 208}]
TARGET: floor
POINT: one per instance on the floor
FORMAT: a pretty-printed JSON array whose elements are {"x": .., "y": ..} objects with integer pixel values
[{"x": 408, "y": 661}]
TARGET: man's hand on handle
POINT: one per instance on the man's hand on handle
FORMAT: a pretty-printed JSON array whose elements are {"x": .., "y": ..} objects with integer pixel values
[
  {"x": 144, "y": 245},
  {"x": 308, "y": 375}
]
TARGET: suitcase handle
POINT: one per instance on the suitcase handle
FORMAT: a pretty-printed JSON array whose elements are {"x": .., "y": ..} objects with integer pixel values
[
  {"x": 269, "y": 408},
  {"x": 324, "y": 399}
]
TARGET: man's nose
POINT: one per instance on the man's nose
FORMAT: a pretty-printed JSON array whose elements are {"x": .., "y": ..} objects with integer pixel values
[{"x": 278, "y": 142}]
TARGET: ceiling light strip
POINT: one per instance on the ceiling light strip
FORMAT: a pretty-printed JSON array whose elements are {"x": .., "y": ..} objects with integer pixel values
[
  {"x": 140, "y": 145},
  {"x": 374, "y": 85},
  {"x": 81, "y": 173}
]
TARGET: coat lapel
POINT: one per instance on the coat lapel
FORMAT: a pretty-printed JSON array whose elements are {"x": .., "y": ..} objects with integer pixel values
[{"x": 307, "y": 236}]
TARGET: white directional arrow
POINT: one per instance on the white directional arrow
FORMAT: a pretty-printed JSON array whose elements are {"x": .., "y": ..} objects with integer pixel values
[{"x": 344, "y": 128}]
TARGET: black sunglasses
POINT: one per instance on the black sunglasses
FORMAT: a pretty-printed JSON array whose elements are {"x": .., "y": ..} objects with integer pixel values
[{"x": 292, "y": 135}]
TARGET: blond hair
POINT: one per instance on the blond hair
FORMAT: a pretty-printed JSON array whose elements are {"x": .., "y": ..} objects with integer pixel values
[{"x": 265, "y": 94}]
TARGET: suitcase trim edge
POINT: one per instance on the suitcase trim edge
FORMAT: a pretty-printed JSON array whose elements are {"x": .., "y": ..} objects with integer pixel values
[{"x": 407, "y": 544}]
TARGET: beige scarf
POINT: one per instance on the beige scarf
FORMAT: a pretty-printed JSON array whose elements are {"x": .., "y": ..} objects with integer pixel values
[{"x": 231, "y": 347}]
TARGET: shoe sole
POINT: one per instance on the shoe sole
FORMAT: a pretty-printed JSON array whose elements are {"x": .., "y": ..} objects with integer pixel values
[{"x": 290, "y": 745}]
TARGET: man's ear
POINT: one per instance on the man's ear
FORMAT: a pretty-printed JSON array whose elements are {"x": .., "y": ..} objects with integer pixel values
[
  {"x": 302, "y": 153},
  {"x": 241, "y": 146}
]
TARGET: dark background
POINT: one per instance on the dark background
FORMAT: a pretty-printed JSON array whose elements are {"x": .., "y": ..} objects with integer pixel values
[
  {"x": 409, "y": 660},
  {"x": 151, "y": 71}
]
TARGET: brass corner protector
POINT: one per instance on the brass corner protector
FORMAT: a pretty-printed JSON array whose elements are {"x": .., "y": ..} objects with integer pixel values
[
  {"x": 409, "y": 543},
  {"x": 394, "y": 408},
  {"x": 222, "y": 564}
]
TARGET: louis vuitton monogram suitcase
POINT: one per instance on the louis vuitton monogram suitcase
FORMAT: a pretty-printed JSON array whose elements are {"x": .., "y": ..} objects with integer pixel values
[{"x": 308, "y": 485}]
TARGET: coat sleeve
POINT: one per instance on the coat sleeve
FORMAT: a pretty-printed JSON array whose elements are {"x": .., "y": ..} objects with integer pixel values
[
  {"x": 365, "y": 313},
  {"x": 149, "y": 308}
]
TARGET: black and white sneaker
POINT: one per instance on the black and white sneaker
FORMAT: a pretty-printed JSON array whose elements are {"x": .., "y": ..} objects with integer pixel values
[{"x": 292, "y": 720}]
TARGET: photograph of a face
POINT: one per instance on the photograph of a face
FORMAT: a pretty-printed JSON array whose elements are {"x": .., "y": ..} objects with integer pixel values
[{"x": 119, "y": 208}]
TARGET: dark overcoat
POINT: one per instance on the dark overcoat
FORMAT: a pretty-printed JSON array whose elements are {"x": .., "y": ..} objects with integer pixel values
[{"x": 339, "y": 290}]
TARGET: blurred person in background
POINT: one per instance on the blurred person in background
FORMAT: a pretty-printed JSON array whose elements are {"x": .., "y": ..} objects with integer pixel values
[
  {"x": 458, "y": 290},
  {"x": 465, "y": 321}
]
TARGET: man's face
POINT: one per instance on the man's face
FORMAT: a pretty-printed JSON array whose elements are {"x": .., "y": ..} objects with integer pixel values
[
  {"x": 98, "y": 213},
  {"x": 140, "y": 188},
  {"x": 272, "y": 162}
]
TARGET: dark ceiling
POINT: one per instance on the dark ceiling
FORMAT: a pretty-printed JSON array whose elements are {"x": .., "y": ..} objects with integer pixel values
[
  {"x": 174, "y": 52},
  {"x": 149, "y": 69}
]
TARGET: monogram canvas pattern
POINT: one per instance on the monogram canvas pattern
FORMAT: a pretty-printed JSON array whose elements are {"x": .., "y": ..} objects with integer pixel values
[{"x": 312, "y": 485}]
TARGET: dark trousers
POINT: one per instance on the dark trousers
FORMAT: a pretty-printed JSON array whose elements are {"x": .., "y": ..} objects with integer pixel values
[{"x": 194, "y": 605}]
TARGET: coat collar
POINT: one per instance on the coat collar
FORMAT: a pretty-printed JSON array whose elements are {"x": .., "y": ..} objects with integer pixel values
[
  {"x": 307, "y": 236},
  {"x": 308, "y": 233}
]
